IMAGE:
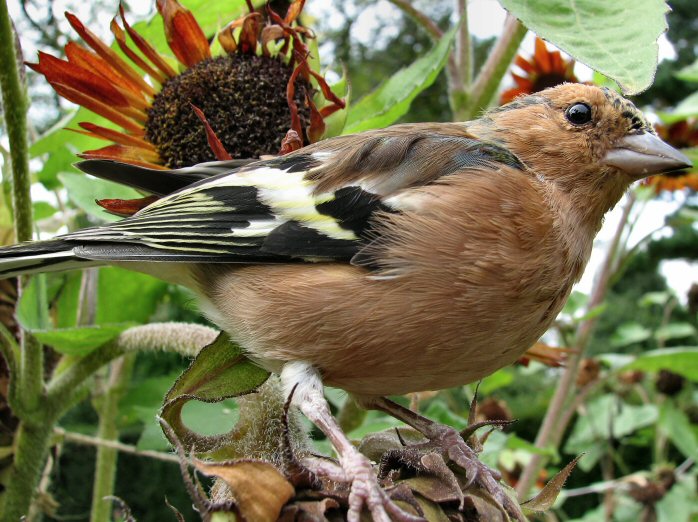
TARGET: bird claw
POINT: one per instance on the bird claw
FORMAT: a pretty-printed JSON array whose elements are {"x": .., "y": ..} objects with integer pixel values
[
  {"x": 450, "y": 445},
  {"x": 365, "y": 491}
]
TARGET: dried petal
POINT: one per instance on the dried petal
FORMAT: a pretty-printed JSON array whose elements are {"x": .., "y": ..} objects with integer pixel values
[
  {"x": 122, "y": 138},
  {"x": 98, "y": 107},
  {"x": 146, "y": 48},
  {"x": 292, "y": 141},
  {"x": 184, "y": 35},
  {"x": 125, "y": 207},
  {"x": 134, "y": 80},
  {"x": 213, "y": 141},
  {"x": 120, "y": 36}
]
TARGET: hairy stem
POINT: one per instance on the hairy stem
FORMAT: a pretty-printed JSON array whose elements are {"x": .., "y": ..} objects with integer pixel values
[
  {"x": 14, "y": 101},
  {"x": 553, "y": 428},
  {"x": 492, "y": 72},
  {"x": 108, "y": 408},
  {"x": 31, "y": 446}
]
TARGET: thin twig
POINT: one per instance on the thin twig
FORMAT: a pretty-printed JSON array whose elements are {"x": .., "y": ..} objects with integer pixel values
[
  {"x": 422, "y": 19},
  {"x": 79, "y": 438}
]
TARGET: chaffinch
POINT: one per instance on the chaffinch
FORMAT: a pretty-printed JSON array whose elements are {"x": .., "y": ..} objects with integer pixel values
[{"x": 417, "y": 257}]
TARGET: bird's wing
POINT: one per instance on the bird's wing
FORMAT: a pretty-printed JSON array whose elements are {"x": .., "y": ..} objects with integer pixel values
[{"x": 317, "y": 204}]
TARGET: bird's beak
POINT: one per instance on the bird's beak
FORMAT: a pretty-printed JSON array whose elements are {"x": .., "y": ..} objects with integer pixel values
[{"x": 645, "y": 154}]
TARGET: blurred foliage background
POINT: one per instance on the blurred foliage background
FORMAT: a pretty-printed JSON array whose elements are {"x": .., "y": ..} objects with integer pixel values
[{"x": 635, "y": 415}]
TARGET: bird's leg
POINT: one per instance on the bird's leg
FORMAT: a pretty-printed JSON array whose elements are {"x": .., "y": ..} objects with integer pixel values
[
  {"x": 453, "y": 445},
  {"x": 304, "y": 383}
]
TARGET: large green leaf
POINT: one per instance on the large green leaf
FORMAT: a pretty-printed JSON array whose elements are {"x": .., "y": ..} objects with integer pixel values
[
  {"x": 608, "y": 417},
  {"x": 683, "y": 361},
  {"x": 219, "y": 372},
  {"x": 677, "y": 427},
  {"x": 392, "y": 99},
  {"x": 79, "y": 341},
  {"x": 84, "y": 190},
  {"x": 618, "y": 38},
  {"x": 689, "y": 73}
]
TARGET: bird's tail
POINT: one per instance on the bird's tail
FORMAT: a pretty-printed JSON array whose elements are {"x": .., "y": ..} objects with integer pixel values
[{"x": 40, "y": 256}]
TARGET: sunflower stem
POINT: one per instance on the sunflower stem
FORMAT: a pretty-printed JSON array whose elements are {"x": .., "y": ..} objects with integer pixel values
[
  {"x": 490, "y": 76},
  {"x": 107, "y": 407}
]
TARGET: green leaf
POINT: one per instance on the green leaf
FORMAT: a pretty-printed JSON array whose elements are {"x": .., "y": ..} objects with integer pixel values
[
  {"x": 127, "y": 296},
  {"x": 682, "y": 360},
  {"x": 79, "y": 341},
  {"x": 219, "y": 372},
  {"x": 497, "y": 380},
  {"x": 688, "y": 73},
  {"x": 677, "y": 427},
  {"x": 83, "y": 190},
  {"x": 687, "y": 108},
  {"x": 32, "y": 309},
  {"x": 675, "y": 331},
  {"x": 618, "y": 39},
  {"x": 608, "y": 417},
  {"x": 392, "y": 99},
  {"x": 680, "y": 503},
  {"x": 629, "y": 333},
  {"x": 43, "y": 210}
]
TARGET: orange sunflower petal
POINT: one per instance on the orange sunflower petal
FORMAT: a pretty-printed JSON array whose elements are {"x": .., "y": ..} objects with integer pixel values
[
  {"x": 524, "y": 64},
  {"x": 122, "y": 138},
  {"x": 59, "y": 71},
  {"x": 184, "y": 35},
  {"x": 542, "y": 56},
  {"x": 525, "y": 84},
  {"x": 152, "y": 55},
  {"x": 133, "y": 79},
  {"x": 556, "y": 62},
  {"x": 93, "y": 63},
  {"x": 511, "y": 94},
  {"x": 132, "y": 155},
  {"x": 98, "y": 107},
  {"x": 120, "y": 36}
]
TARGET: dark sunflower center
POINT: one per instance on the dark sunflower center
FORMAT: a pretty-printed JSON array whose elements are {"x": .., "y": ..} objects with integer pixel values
[
  {"x": 244, "y": 100},
  {"x": 548, "y": 80}
]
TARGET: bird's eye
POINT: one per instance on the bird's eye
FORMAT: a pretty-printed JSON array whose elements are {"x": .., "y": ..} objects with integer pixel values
[{"x": 578, "y": 114}]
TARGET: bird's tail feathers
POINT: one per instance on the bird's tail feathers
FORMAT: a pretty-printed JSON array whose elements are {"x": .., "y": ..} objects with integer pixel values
[{"x": 40, "y": 256}]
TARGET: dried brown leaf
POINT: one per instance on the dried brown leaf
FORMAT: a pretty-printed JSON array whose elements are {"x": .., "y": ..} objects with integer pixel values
[
  {"x": 258, "y": 488},
  {"x": 547, "y": 496}
]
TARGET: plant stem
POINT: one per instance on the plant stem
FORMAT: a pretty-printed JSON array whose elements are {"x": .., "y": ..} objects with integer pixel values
[
  {"x": 492, "y": 72},
  {"x": 435, "y": 33},
  {"x": 464, "y": 48},
  {"x": 14, "y": 101},
  {"x": 31, "y": 446},
  {"x": 79, "y": 438},
  {"x": 108, "y": 408},
  {"x": 553, "y": 428}
]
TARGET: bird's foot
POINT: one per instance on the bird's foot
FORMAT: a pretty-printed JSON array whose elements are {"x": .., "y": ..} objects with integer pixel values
[
  {"x": 364, "y": 490},
  {"x": 459, "y": 448}
]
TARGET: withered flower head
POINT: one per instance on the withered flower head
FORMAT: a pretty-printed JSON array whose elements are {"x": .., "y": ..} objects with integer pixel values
[
  {"x": 681, "y": 134},
  {"x": 245, "y": 100},
  {"x": 545, "y": 69}
]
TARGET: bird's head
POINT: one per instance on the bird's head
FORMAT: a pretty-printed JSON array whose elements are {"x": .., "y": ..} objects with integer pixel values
[{"x": 581, "y": 137}]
